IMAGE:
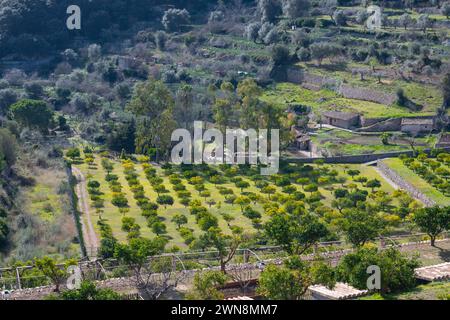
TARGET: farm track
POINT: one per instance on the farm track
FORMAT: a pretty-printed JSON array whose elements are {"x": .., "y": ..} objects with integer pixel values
[{"x": 89, "y": 234}]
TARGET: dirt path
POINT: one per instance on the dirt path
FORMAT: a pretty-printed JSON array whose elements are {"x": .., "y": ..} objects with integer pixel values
[{"x": 90, "y": 237}]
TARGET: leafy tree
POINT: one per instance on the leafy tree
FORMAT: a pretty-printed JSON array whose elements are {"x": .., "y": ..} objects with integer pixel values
[
  {"x": 107, "y": 165},
  {"x": 339, "y": 17},
  {"x": 385, "y": 136},
  {"x": 179, "y": 220},
  {"x": 119, "y": 200},
  {"x": 153, "y": 103},
  {"x": 4, "y": 231},
  {"x": 205, "y": 194},
  {"x": 184, "y": 105},
  {"x": 51, "y": 270},
  {"x": 291, "y": 281},
  {"x": 165, "y": 200},
  {"x": 206, "y": 221},
  {"x": 321, "y": 50},
  {"x": 303, "y": 182},
  {"x": 269, "y": 190},
  {"x": 280, "y": 55},
  {"x": 397, "y": 269},
  {"x": 445, "y": 9},
  {"x": 373, "y": 184},
  {"x": 7, "y": 98},
  {"x": 159, "y": 228},
  {"x": 251, "y": 31},
  {"x": 135, "y": 255},
  {"x": 161, "y": 40},
  {"x": 281, "y": 283},
  {"x": 242, "y": 185},
  {"x": 242, "y": 201},
  {"x": 296, "y": 233},
  {"x": 405, "y": 20},
  {"x": 122, "y": 137},
  {"x": 206, "y": 286},
  {"x": 360, "y": 226},
  {"x": 226, "y": 245},
  {"x": 311, "y": 188},
  {"x": 432, "y": 221},
  {"x": 295, "y": 8},
  {"x": 8, "y": 149},
  {"x": 150, "y": 99},
  {"x": 342, "y": 203},
  {"x": 269, "y": 10},
  {"x": 352, "y": 173},
  {"x": 446, "y": 90},
  {"x": 424, "y": 22},
  {"x": 175, "y": 19},
  {"x": 32, "y": 114}
]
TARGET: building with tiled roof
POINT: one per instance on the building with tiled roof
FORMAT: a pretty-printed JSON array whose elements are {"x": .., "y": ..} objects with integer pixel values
[{"x": 341, "y": 291}]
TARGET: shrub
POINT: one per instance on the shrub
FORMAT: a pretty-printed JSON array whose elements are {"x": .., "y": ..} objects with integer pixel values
[
  {"x": 165, "y": 200},
  {"x": 397, "y": 269},
  {"x": 280, "y": 55},
  {"x": 119, "y": 200},
  {"x": 251, "y": 213},
  {"x": 175, "y": 19}
]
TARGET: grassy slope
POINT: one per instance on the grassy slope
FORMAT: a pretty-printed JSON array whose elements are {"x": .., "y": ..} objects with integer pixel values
[
  {"x": 427, "y": 95},
  {"x": 411, "y": 177},
  {"x": 53, "y": 209},
  {"x": 327, "y": 100},
  {"x": 340, "y": 142}
]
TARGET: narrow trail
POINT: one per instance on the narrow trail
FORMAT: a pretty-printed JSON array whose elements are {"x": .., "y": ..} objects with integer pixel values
[{"x": 90, "y": 237}]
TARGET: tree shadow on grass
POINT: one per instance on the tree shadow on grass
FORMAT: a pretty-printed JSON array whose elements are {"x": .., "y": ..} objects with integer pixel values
[{"x": 444, "y": 254}]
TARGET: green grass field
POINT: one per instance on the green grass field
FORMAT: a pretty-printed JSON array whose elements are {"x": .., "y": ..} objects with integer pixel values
[
  {"x": 415, "y": 180},
  {"x": 327, "y": 100},
  {"x": 429, "y": 291}
]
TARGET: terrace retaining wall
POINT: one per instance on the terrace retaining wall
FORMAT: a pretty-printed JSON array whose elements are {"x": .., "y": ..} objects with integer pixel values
[
  {"x": 315, "y": 82},
  {"x": 394, "y": 124},
  {"x": 398, "y": 180},
  {"x": 355, "y": 159}
]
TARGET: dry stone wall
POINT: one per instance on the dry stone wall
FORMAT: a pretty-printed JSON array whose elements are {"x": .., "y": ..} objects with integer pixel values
[{"x": 398, "y": 180}]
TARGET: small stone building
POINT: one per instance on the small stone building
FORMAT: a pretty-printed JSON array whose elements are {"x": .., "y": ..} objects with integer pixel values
[
  {"x": 346, "y": 120},
  {"x": 302, "y": 140},
  {"x": 415, "y": 126}
]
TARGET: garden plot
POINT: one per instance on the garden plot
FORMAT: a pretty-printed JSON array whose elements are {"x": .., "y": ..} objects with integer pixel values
[{"x": 136, "y": 197}]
